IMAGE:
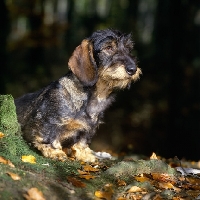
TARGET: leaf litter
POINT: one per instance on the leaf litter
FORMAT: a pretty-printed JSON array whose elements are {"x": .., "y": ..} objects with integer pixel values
[{"x": 153, "y": 178}]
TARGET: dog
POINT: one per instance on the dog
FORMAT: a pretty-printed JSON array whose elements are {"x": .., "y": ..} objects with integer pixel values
[{"x": 68, "y": 111}]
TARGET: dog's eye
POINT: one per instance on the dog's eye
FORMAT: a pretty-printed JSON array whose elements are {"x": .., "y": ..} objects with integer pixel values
[{"x": 109, "y": 48}]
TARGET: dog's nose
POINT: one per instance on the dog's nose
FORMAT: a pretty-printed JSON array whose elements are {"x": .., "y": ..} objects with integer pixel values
[{"x": 131, "y": 69}]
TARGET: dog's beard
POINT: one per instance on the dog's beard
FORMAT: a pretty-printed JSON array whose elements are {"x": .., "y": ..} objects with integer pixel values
[{"x": 117, "y": 77}]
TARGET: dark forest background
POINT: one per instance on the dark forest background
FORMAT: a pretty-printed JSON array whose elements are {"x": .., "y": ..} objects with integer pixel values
[{"x": 161, "y": 112}]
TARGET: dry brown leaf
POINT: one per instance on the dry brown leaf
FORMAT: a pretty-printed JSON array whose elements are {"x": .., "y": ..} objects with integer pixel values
[
  {"x": 6, "y": 162},
  {"x": 10, "y": 163},
  {"x": 193, "y": 193},
  {"x": 82, "y": 172},
  {"x": 194, "y": 187},
  {"x": 135, "y": 189},
  {"x": 30, "y": 159},
  {"x": 106, "y": 192},
  {"x": 193, "y": 180},
  {"x": 87, "y": 176},
  {"x": 162, "y": 177},
  {"x": 168, "y": 185},
  {"x": 177, "y": 198},
  {"x": 89, "y": 168},
  {"x": 158, "y": 197},
  {"x": 122, "y": 198},
  {"x": 165, "y": 185},
  {"x": 1, "y": 135},
  {"x": 142, "y": 179},
  {"x": 3, "y": 160},
  {"x": 14, "y": 176},
  {"x": 103, "y": 194},
  {"x": 121, "y": 183},
  {"x": 75, "y": 182},
  {"x": 34, "y": 194},
  {"x": 82, "y": 163},
  {"x": 153, "y": 156}
]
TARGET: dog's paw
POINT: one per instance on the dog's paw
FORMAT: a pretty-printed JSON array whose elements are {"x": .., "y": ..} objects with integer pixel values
[
  {"x": 49, "y": 152},
  {"x": 83, "y": 153},
  {"x": 57, "y": 154}
]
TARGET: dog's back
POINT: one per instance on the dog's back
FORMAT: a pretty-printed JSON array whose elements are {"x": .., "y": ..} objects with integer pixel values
[{"x": 23, "y": 106}]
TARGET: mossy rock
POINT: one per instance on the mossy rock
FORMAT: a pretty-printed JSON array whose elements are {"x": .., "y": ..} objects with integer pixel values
[
  {"x": 9, "y": 125},
  {"x": 12, "y": 144},
  {"x": 8, "y": 117},
  {"x": 127, "y": 169}
]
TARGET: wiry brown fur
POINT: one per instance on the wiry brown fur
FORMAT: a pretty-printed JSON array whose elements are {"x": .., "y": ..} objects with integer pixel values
[{"x": 68, "y": 111}]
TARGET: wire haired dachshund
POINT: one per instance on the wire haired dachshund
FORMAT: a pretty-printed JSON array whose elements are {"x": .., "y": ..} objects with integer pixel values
[{"x": 68, "y": 111}]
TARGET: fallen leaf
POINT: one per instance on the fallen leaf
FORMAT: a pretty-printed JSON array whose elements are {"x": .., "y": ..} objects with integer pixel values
[
  {"x": 121, "y": 183},
  {"x": 163, "y": 177},
  {"x": 34, "y": 194},
  {"x": 106, "y": 192},
  {"x": 193, "y": 193},
  {"x": 142, "y": 179},
  {"x": 193, "y": 180},
  {"x": 30, "y": 159},
  {"x": 82, "y": 172},
  {"x": 75, "y": 182},
  {"x": 104, "y": 195},
  {"x": 14, "y": 176},
  {"x": 166, "y": 185},
  {"x": 6, "y": 162},
  {"x": 153, "y": 156},
  {"x": 122, "y": 198},
  {"x": 82, "y": 163},
  {"x": 87, "y": 176},
  {"x": 1, "y": 135},
  {"x": 135, "y": 189},
  {"x": 89, "y": 168},
  {"x": 177, "y": 198},
  {"x": 10, "y": 163},
  {"x": 3, "y": 160}
]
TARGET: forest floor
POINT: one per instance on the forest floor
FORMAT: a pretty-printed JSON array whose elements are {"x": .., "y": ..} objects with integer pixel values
[
  {"x": 26, "y": 174},
  {"x": 39, "y": 178}
]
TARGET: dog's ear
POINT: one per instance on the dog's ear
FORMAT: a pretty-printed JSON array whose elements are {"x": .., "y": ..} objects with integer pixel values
[{"x": 83, "y": 65}]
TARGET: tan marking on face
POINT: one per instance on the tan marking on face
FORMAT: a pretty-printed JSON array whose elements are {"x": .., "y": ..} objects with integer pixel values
[
  {"x": 137, "y": 74},
  {"x": 112, "y": 78}
]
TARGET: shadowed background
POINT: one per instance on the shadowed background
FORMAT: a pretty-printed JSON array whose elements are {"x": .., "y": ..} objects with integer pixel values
[{"x": 161, "y": 112}]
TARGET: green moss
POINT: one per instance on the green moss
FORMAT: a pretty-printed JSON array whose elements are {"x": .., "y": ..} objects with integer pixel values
[
  {"x": 126, "y": 169},
  {"x": 5, "y": 195},
  {"x": 12, "y": 144},
  {"x": 8, "y": 117}
]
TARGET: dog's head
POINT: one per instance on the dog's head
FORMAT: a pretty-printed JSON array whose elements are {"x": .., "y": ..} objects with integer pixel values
[{"x": 106, "y": 55}]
